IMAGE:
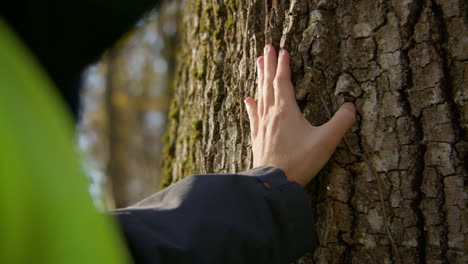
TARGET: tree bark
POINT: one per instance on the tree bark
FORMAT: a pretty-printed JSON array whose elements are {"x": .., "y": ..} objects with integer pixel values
[{"x": 394, "y": 192}]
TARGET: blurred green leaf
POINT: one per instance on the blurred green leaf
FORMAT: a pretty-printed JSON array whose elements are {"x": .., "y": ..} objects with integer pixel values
[{"x": 47, "y": 215}]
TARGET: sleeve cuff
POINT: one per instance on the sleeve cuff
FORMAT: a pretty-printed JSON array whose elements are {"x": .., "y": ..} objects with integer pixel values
[{"x": 291, "y": 209}]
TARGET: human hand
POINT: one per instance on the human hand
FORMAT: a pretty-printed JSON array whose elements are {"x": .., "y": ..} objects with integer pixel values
[{"x": 281, "y": 136}]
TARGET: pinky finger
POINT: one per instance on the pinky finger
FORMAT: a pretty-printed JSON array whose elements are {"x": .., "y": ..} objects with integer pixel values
[{"x": 252, "y": 110}]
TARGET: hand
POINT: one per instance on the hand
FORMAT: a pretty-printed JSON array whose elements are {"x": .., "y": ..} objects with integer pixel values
[{"x": 281, "y": 136}]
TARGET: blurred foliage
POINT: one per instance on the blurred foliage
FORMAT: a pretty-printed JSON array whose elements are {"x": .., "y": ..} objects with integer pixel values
[
  {"x": 47, "y": 215},
  {"x": 66, "y": 36}
]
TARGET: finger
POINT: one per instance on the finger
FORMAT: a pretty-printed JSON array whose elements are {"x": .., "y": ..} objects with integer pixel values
[
  {"x": 260, "y": 62},
  {"x": 335, "y": 129},
  {"x": 251, "y": 106},
  {"x": 284, "y": 91},
  {"x": 269, "y": 75}
]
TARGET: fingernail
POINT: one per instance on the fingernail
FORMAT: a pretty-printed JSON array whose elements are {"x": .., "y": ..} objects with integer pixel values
[
  {"x": 260, "y": 60},
  {"x": 350, "y": 106},
  {"x": 267, "y": 48},
  {"x": 282, "y": 52},
  {"x": 247, "y": 106}
]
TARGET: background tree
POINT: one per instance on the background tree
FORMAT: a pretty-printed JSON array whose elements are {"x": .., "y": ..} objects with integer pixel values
[
  {"x": 124, "y": 110},
  {"x": 395, "y": 189}
]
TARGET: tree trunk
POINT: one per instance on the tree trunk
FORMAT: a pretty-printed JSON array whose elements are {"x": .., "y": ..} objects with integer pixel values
[{"x": 394, "y": 192}]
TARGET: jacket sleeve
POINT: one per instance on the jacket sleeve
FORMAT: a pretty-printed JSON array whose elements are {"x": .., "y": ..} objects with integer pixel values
[{"x": 257, "y": 216}]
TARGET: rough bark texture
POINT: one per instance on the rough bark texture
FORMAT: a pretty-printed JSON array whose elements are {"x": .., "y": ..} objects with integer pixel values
[{"x": 395, "y": 192}]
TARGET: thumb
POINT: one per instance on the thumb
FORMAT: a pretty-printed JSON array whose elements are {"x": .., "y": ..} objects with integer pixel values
[{"x": 335, "y": 129}]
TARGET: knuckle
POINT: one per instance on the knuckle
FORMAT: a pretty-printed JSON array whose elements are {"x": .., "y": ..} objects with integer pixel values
[
  {"x": 276, "y": 82},
  {"x": 272, "y": 119},
  {"x": 281, "y": 109},
  {"x": 280, "y": 80},
  {"x": 280, "y": 77}
]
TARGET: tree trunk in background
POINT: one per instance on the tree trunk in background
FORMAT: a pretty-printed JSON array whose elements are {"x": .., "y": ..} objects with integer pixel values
[
  {"x": 125, "y": 102},
  {"x": 396, "y": 192}
]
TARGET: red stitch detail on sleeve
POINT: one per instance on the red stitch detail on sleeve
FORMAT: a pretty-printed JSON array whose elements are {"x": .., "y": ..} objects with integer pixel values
[{"x": 266, "y": 185}]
